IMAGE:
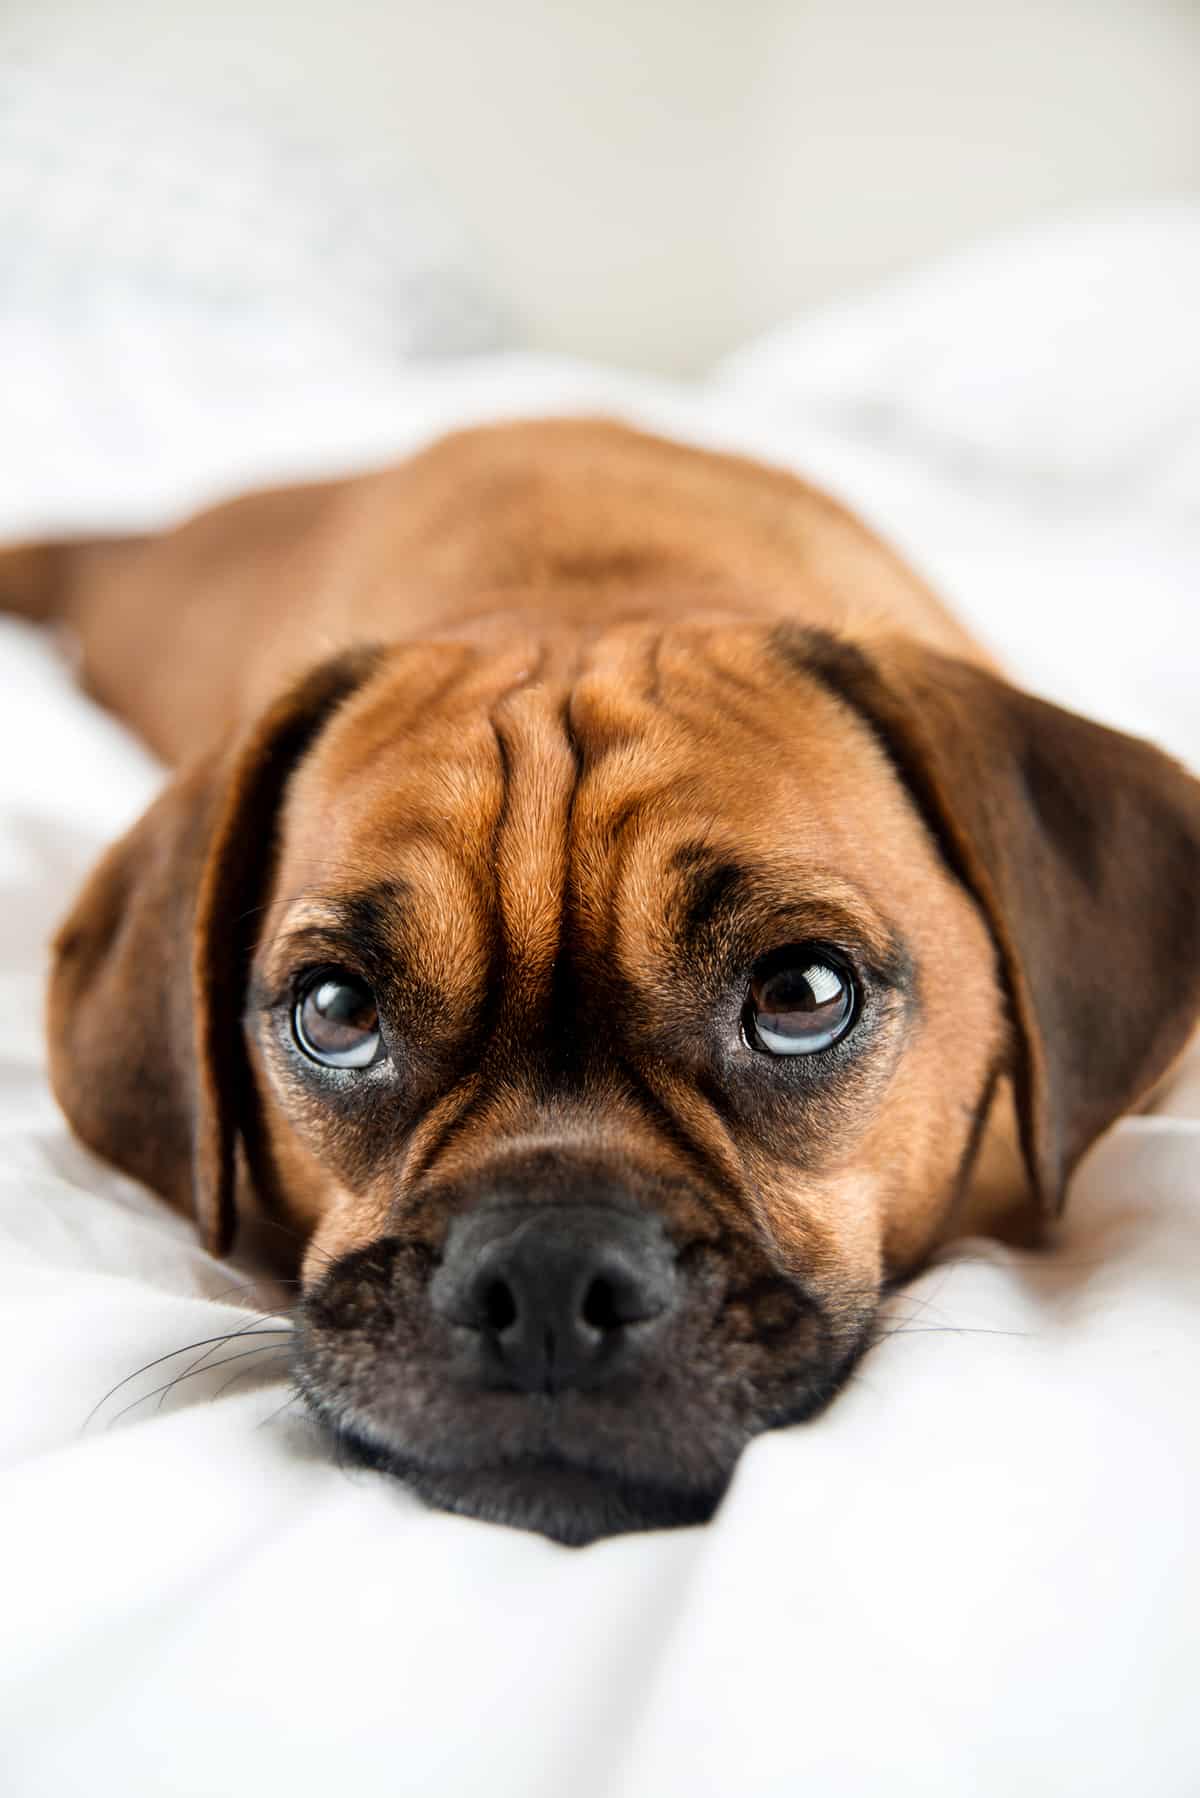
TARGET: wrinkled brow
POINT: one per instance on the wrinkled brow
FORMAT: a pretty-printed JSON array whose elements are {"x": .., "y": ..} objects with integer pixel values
[{"x": 713, "y": 894}]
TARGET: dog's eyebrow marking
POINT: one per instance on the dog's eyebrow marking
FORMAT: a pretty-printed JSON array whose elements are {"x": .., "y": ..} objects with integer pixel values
[
  {"x": 713, "y": 889},
  {"x": 365, "y": 920},
  {"x": 370, "y": 917},
  {"x": 709, "y": 890}
]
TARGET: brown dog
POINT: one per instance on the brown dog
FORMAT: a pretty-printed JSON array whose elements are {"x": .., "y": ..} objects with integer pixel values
[{"x": 617, "y": 917}]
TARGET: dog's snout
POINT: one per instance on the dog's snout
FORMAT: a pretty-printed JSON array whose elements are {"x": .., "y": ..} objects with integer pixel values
[{"x": 554, "y": 1296}]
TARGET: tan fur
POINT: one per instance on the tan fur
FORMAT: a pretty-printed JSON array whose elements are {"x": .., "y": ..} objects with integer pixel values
[
  {"x": 557, "y": 529},
  {"x": 541, "y": 593}
]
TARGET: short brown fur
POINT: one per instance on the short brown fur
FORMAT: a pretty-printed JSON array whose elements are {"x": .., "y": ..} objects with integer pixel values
[{"x": 561, "y": 726}]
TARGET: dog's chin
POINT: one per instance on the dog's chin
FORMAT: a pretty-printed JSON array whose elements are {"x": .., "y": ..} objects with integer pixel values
[{"x": 570, "y": 1504}]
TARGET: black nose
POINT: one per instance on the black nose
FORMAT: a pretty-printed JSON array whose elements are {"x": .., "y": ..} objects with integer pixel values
[{"x": 557, "y": 1295}]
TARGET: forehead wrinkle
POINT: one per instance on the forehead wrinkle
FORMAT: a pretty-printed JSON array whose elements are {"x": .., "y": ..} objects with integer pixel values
[
  {"x": 711, "y": 683},
  {"x": 417, "y": 684},
  {"x": 614, "y": 697},
  {"x": 608, "y": 835},
  {"x": 648, "y": 706},
  {"x": 540, "y": 776},
  {"x": 416, "y": 751},
  {"x": 421, "y": 809},
  {"x": 706, "y": 677}
]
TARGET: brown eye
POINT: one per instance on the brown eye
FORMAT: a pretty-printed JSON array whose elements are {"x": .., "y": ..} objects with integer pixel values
[
  {"x": 801, "y": 1001},
  {"x": 336, "y": 1021}
]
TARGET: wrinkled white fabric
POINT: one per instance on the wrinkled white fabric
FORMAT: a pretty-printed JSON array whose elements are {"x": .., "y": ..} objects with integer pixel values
[{"x": 977, "y": 1572}]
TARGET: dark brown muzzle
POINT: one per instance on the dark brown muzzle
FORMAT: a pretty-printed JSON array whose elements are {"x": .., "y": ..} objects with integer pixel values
[{"x": 563, "y": 1346}]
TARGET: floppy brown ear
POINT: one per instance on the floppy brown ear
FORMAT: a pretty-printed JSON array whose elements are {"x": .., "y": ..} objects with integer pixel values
[
  {"x": 1082, "y": 847},
  {"x": 147, "y": 1057}
]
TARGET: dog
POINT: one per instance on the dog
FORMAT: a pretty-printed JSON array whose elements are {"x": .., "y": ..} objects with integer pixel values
[{"x": 619, "y": 921}]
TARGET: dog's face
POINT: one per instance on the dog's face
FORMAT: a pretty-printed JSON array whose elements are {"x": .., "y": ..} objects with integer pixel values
[
  {"x": 618, "y": 1035},
  {"x": 616, "y": 1029}
]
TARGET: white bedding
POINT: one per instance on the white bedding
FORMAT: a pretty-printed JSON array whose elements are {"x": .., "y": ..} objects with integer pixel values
[{"x": 979, "y": 1571}]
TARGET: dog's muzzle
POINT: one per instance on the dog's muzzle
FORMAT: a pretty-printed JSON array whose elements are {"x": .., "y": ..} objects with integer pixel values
[{"x": 563, "y": 1351}]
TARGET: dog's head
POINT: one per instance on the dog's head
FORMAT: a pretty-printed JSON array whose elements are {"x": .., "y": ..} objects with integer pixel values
[{"x": 615, "y": 1030}]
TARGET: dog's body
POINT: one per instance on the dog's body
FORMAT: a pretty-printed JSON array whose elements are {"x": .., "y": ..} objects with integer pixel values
[
  {"x": 554, "y": 533},
  {"x": 722, "y": 932}
]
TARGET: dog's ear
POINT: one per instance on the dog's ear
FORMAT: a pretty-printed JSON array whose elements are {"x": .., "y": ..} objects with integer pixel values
[
  {"x": 146, "y": 993},
  {"x": 1082, "y": 848}
]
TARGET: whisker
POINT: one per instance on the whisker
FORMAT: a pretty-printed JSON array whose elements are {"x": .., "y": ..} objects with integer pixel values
[
  {"x": 926, "y": 1301},
  {"x": 952, "y": 1330},
  {"x": 233, "y": 1379},
  {"x": 160, "y": 1359},
  {"x": 219, "y": 1298},
  {"x": 293, "y": 1398},
  {"x": 904, "y": 1329},
  {"x": 271, "y": 1348},
  {"x": 248, "y": 1329}
]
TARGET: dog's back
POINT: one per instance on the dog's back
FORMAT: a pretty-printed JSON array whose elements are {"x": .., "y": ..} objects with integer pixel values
[{"x": 560, "y": 525}]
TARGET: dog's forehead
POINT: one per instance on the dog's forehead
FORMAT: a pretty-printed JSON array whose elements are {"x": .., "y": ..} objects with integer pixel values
[{"x": 457, "y": 771}]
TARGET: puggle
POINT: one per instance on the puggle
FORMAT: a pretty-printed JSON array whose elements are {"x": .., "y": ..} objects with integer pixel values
[{"x": 610, "y": 912}]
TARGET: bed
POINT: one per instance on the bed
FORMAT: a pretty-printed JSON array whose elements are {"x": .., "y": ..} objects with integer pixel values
[{"x": 978, "y": 1571}]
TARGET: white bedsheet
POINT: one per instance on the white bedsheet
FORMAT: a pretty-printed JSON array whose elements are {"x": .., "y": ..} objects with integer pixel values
[{"x": 978, "y": 1572}]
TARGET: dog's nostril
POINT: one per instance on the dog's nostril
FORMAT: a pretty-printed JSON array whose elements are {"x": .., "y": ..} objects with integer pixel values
[
  {"x": 550, "y": 1294},
  {"x": 499, "y": 1306},
  {"x": 600, "y": 1305}
]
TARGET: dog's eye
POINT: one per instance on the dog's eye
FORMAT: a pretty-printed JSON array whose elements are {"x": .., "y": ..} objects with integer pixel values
[
  {"x": 802, "y": 1000},
  {"x": 336, "y": 1021}
]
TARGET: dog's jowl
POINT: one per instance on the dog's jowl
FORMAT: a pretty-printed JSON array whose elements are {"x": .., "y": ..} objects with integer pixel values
[{"x": 618, "y": 921}]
